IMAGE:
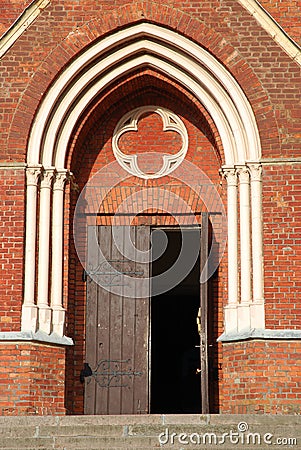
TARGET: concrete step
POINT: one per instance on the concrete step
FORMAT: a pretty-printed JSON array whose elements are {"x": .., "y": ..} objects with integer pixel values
[{"x": 142, "y": 432}]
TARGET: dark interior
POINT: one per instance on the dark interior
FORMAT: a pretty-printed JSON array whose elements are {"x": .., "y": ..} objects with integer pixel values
[{"x": 175, "y": 386}]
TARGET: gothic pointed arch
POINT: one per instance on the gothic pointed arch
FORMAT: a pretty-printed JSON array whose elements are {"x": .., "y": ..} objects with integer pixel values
[{"x": 90, "y": 73}]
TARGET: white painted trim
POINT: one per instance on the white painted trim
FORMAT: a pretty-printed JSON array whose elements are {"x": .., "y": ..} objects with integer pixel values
[
  {"x": 21, "y": 24},
  {"x": 231, "y": 309},
  {"x": 58, "y": 312},
  {"x": 257, "y": 312},
  {"x": 273, "y": 29},
  {"x": 231, "y": 177},
  {"x": 243, "y": 313},
  {"x": 247, "y": 310},
  {"x": 279, "y": 161},
  {"x": 245, "y": 234},
  {"x": 12, "y": 165},
  {"x": 43, "y": 260},
  {"x": 29, "y": 309},
  {"x": 170, "y": 122}
]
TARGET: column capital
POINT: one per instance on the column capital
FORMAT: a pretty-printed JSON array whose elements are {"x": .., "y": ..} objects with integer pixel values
[
  {"x": 255, "y": 171},
  {"x": 230, "y": 175},
  {"x": 243, "y": 174},
  {"x": 47, "y": 176},
  {"x": 33, "y": 174},
  {"x": 61, "y": 177}
]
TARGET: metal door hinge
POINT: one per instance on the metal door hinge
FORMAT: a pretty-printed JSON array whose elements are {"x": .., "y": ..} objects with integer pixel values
[
  {"x": 110, "y": 373},
  {"x": 85, "y": 372}
]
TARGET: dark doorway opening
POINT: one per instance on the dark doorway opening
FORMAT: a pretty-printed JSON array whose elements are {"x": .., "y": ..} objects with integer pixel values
[{"x": 175, "y": 386}]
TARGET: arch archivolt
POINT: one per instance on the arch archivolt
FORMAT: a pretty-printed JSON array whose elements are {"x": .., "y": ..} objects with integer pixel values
[
  {"x": 157, "y": 47},
  {"x": 140, "y": 46}
]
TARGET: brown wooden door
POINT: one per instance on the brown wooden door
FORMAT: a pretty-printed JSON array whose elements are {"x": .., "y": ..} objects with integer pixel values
[{"x": 117, "y": 325}]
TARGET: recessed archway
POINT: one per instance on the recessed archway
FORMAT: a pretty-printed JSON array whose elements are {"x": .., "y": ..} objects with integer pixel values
[{"x": 142, "y": 45}]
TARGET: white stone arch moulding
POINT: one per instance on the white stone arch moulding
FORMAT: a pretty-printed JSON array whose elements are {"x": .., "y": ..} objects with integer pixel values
[{"x": 143, "y": 45}]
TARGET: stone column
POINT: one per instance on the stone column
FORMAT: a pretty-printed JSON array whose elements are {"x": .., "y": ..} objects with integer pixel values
[
  {"x": 231, "y": 309},
  {"x": 257, "y": 306},
  {"x": 58, "y": 311},
  {"x": 29, "y": 309},
  {"x": 245, "y": 249},
  {"x": 43, "y": 260}
]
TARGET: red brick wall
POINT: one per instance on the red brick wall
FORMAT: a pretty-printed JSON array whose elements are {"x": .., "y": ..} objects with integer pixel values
[
  {"x": 282, "y": 251},
  {"x": 32, "y": 379},
  {"x": 261, "y": 377},
  {"x": 10, "y": 10},
  {"x": 288, "y": 15},
  {"x": 12, "y": 248}
]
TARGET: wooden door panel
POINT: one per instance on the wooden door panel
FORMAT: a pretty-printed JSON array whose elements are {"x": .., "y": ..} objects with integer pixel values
[
  {"x": 91, "y": 320},
  {"x": 116, "y": 323},
  {"x": 142, "y": 325},
  {"x": 102, "y": 330},
  {"x": 117, "y": 326}
]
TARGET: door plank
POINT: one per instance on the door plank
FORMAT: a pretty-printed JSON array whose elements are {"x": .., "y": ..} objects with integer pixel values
[
  {"x": 128, "y": 329},
  {"x": 142, "y": 326},
  {"x": 103, "y": 322},
  {"x": 116, "y": 323},
  {"x": 91, "y": 320}
]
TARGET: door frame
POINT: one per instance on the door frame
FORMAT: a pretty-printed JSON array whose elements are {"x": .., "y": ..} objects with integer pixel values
[{"x": 203, "y": 316}]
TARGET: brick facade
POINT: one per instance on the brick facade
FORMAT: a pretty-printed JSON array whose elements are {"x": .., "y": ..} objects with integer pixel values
[
  {"x": 12, "y": 247},
  {"x": 261, "y": 378},
  {"x": 282, "y": 253},
  {"x": 32, "y": 379},
  {"x": 255, "y": 376}
]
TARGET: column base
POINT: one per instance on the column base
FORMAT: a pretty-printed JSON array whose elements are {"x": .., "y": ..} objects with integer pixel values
[
  {"x": 243, "y": 317},
  {"x": 230, "y": 319},
  {"x": 29, "y": 318},
  {"x": 45, "y": 314},
  {"x": 257, "y": 314},
  {"x": 58, "y": 320}
]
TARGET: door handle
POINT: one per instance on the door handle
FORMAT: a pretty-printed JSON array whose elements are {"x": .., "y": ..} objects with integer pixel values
[{"x": 198, "y": 320}]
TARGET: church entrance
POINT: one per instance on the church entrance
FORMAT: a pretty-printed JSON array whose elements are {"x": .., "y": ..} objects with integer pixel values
[
  {"x": 146, "y": 320},
  {"x": 175, "y": 352}
]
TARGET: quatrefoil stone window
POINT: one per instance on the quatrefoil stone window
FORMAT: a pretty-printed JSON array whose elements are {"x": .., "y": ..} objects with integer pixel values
[{"x": 129, "y": 123}]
